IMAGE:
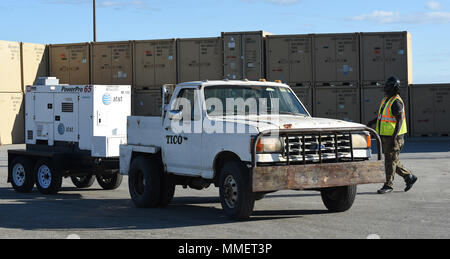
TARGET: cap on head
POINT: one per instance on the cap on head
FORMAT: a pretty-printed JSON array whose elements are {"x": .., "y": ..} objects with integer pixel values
[{"x": 392, "y": 85}]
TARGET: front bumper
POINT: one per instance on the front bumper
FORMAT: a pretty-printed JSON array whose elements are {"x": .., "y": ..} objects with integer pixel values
[
  {"x": 301, "y": 174},
  {"x": 316, "y": 176}
]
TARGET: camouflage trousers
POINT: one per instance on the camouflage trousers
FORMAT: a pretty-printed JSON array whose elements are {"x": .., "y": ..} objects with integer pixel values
[{"x": 391, "y": 150}]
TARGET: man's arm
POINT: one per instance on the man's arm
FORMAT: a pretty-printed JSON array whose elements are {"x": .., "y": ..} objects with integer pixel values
[
  {"x": 397, "y": 111},
  {"x": 372, "y": 122}
]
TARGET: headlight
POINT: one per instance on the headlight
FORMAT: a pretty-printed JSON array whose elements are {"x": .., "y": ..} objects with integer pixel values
[
  {"x": 269, "y": 145},
  {"x": 361, "y": 141}
]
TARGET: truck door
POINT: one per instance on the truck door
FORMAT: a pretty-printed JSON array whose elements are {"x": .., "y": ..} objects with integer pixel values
[
  {"x": 181, "y": 150},
  {"x": 66, "y": 119}
]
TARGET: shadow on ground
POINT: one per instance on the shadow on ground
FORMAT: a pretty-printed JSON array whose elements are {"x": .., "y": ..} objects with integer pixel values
[{"x": 72, "y": 211}]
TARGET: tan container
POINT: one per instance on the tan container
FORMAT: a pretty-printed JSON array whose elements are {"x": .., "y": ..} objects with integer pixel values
[
  {"x": 199, "y": 59},
  {"x": 386, "y": 54},
  {"x": 430, "y": 110},
  {"x": 147, "y": 103},
  {"x": 371, "y": 97},
  {"x": 34, "y": 62},
  {"x": 244, "y": 55},
  {"x": 70, "y": 63},
  {"x": 154, "y": 63},
  {"x": 341, "y": 103},
  {"x": 12, "y": 119},
  {"x": 10, "y": 67},
  {"x": 289, "y": 58},
  {"x": 112, "y": 63},
  {"x": 336, "y": 58},
  {"x": 304, "y": 93}
]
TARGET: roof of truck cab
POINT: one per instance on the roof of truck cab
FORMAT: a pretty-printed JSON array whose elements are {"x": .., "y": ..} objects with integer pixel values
[{"x": 232, "y": 82}]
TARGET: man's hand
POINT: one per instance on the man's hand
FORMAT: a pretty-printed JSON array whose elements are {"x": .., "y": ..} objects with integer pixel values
[{"x": 372, "y": 122}]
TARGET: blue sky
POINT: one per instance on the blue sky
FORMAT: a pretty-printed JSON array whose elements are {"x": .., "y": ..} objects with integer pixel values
[{"x": 67, "y": 21}]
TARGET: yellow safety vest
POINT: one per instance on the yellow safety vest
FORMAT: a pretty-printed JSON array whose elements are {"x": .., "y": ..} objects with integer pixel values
[{"x": 387, "y": 121}]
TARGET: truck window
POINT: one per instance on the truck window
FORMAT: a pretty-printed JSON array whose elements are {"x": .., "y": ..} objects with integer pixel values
[
  {"x": 287, "y": 102},
  {"x": 189, "y": 95}
]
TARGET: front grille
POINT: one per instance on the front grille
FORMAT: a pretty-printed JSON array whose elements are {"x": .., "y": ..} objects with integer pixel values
[{"x": 300, "y": 147}]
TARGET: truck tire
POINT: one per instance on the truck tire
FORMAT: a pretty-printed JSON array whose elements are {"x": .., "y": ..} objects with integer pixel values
[
  {"x": 235, "y": 188},
  {"x": 110, "y": 181},
  {"x": 339, "y": 199},
  {"x": 144, "y": 182},
  {"x": 48, "y": 179},
  {"x": 167, "y": 190},
  {"x": 22, "y": 176},
  {"x": 83, "y": 181}
]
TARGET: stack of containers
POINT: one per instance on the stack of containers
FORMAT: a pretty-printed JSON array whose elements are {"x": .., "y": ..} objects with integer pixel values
[
  {"x": 430, "y": 110},
  {"x": 336, "y": 76},
  {"x": 383, "y": 55},
  {"x": 70, "y": 63},
  {"x": 155, "y": 64},
  {"x": 243, "y": 55},
  {"x": 289, "y": 58}
]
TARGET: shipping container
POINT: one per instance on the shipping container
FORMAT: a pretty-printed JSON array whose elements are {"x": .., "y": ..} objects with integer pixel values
[
  {"x": 112, "y": 63},
  {"x": 341, "y": 103},
  {"x": 155, "y": 63},
  {"x": 70, "y": 63},
  {"x": 34, "y": 62},
  {"x": 244, "y": 55},
  {"x": 371, "y": 97},
  {"x": 289, "y": 58},
  {"x": 199, "y": 59},
  {"x": 386, "y": 54},
  {"x": 10, "y": 67},
  {"x": 305, "y": 94},
  {"x": 336, "y": 59},
  {"x": 12, "y": 119},
  {"x": 430, "y": 110},
  {"x": 147, "y": 103}
]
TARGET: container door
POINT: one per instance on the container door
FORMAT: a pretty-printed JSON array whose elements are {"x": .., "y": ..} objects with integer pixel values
[
  {"x": 301, "y": 60},
  {"x": 442, "y": 107},
  {"x": 59, "y": 63},
  {"x": 278, "y": 67},
  {"x": 79, "y": 65},
  {"x": 348, "y": 104},
  {"x": 347, "y": 59},
  {"x": 325, "y": 60},
  {"x": 252, "y": 49},
  {"x": 165, "y": 63},
  {"x": 396, "y": 56},
  {"x": 144, "y": 60},
  {"x": 121, "y": 64},
  {"x": 373, "y": 58},
  {"x": 423, "y": 110},
  {"x": 325, "y": 102},
  {"x": 101, "y": 64},
  {"x": 189, "y": 63},
  {"x": 233, "y": 57},
  {"x": 66, "y": 117},
  {"x": 211, "y": 60}
]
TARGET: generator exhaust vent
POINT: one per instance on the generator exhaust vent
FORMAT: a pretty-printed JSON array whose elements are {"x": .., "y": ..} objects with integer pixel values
[{"x": 67, "y": 107}]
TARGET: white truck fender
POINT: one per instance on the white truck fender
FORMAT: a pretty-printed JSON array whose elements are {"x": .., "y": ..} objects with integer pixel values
[{"x": 126, "y": 153}]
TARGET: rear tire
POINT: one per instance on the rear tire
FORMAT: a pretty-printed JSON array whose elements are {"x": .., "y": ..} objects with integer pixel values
[
  {"x": 22, "y": 175},
  {"x": 339, "y": 199},
  {"x": 144, "y": 182},
  {"x": 83, "y": 181},
  {"x": 110, "y": 181},
  {"x": 48, "y": 179},
  {"x": 236, "y": 194}
]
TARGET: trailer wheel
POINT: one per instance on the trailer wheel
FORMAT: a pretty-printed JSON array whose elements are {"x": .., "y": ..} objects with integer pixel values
[
  {"x": 22, "y": 177},
  {"x": 236, "y": 194},
  {"x": 144, "y": 182},
  {"x": 83, "y": 181},
  {"x": 167, "y": 190},
  {"x": 110, "y": 181},
  {"x": 339, "y": 199},
  {"x": 48, "y": 179}
]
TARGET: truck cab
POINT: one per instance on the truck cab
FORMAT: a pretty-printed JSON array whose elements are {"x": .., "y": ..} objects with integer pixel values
[{"x": 248, "y": 138}]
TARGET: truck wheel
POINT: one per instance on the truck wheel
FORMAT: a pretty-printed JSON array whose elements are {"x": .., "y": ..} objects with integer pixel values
[
  {"x": 144, "y": 182},
  {"x": 167, "y": 190},
  {"x": 83, "y": 181},
  {"x": 110, "y": 181},
  {"x": 48, "y": 180},
  {"x": 339, "y": 199},
  {"x": 236, "y": 194},
  {"x": 22, "y": 178}
]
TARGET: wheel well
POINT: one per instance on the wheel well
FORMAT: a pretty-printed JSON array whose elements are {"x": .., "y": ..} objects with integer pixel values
[
  {"x": 220, "y": 160},
  {"x": 156, "y": 157}
]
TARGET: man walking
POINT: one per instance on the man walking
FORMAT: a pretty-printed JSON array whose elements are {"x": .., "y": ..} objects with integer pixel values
[{"x": 391, "y": 126}]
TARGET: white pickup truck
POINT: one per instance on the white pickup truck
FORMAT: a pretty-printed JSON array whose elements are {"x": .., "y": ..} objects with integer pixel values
[{"x": 248, "y": 138}]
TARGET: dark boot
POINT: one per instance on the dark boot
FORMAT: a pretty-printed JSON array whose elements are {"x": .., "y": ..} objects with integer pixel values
[
  {"x": 410, "y": 180},
  {"x": 385, "y": 189}
]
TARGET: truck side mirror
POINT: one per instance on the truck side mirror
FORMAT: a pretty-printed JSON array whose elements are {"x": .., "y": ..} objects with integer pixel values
[{"x": 175, "y": 115}]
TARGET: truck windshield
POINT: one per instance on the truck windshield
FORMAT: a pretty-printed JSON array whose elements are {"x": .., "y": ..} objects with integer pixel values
[{"x": 251, "y": 100}]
